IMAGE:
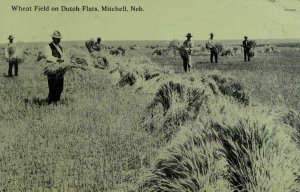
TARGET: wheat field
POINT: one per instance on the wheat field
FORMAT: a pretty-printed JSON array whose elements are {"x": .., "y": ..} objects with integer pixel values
[{"x": 144, "y": 125}]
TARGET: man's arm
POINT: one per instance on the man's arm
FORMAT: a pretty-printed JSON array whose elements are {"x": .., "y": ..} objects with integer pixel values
[
  {"x": 211, "y": 43},
  {"x": 48, "y": 54},
  {"x": 192, "y": 45},
  {"x": 6, "y": 54},
  {"x": 62, "y": 54}
]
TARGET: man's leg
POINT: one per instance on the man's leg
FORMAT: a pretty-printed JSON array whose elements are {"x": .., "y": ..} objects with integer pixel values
[
  {"x": 211, "y": 56},
  {"x": 16, "y": 68},
  {"x": 184, "y": 60},
  {"x": 60, "y": 87},
  {"x": 10, "y": 66},
  {"x": 189, "y": 62},
  {"x": 216, "y": 57},
  {"x": 248, "y": 55},
  {"x": 51, "y": 86},
  {"x": 245, "y": 55}
]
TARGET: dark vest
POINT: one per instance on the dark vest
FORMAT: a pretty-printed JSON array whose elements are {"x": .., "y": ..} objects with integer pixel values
[{"x": 55, "y": 52}]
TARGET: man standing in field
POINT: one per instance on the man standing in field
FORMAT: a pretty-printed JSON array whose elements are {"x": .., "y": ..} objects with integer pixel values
[
  {"x": 93, "y": 46},
  {"x": 213, "y": 50},
  {"x": 186, "y": 51},
  {"x": 247, "y": 48},
  {"x": 97, "y": 45},
  {"x": 54, "y": 54},
  {"x": 9, "y": 53}
]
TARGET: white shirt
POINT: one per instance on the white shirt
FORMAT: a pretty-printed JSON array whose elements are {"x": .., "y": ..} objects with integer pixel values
[
  {"x": 188, "y": 44},
  {"x": 10, "y": 49},
  {"x": 211, "y": 43},
  {"x": 186, "y": 48},
  {"x": 48, "y": 53}
]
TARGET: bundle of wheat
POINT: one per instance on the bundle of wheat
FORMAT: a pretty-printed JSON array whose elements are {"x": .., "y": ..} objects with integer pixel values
[
  {"x": 101, "y": 60},
  {"x": 135, "y": 47},
  {"x": 196, "y": 51},
  {"x": 269, "y": 48},
  {"x": 255, "y": 147},
  {"x": 18, "y": 56},
  {"x": 227, "y": 52},
  {"x": 128, "y": 75},
  {"x": 59, "y": 69},
  {"x": 172, "y": 52},
  {"x": 174, "y": 104},
  {"x": 251, "y": 53},
  {"x": 174, "y": 44},
  {"x": 159, "y": 52},
  {"x": 192, "y": 162},
  {"x": 169, "y": 52},
  {"x": 230, "y": 87},
  {"x": 233, "y": 149},
  {"x": 27, "y": 52},
  {"x": 77, "y": 57},
  {"x": 203, "y": 49},
  {"x": 122, "y": 49},
  {"x": 184, "y": 52},
  {"x": 149, "y": 74},
  {"x": 219, "y": 47},
  {"x": 137, "y": 71},
  {"x": 41, "y": 55},
  {"x": 127, "y": 79},
  {"x": 89, "y": 45},
  {"x": 291, "y": 118},
  {"x": 73, "y": 59},
  {"x": 236, "y": 49},
  {"x": 118, "y": 51},
  {"x": 252, "y": 43}
]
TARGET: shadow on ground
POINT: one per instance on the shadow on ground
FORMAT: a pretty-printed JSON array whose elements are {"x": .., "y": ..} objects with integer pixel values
[{"x": 44, "y": 101}]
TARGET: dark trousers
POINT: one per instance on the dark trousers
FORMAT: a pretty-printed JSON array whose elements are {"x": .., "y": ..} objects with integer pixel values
[
  {"x": 56, "y": 86},
  {"x": 246, "y": 55},
  {"x": 213, "y": 54},
  {"x": 186, "y": 63},
  {"x": 11, "y": 65}
]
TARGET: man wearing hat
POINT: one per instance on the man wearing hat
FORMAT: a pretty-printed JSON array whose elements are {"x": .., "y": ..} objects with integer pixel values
[
  {"x": 97, "y": 45},
  {"x": 54, "y": 54},
  {"x": 211, "y": 46},
  {"x": 9, "y": 52},
  {"x": 246, "y": 48},
  {"x": 186, "y": 51}
]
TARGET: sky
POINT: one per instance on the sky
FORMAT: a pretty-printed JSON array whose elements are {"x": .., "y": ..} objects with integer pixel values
[{"x": 160, "y": 20}]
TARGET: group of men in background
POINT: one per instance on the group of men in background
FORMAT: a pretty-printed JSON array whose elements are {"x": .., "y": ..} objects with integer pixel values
[
  {"x": 54, "y": 54},
  {"x": 188, "y": 45}
]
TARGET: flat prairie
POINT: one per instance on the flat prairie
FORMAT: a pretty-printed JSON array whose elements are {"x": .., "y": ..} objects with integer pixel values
[{"x": 231, "y": 126}]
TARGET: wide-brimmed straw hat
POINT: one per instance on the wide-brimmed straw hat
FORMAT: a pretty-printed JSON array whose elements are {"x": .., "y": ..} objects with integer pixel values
[
  {"x": 189, "y": 35},
  {"x": 10, "y": 37},
  {"x": 245, "y": 36},
  {"x": 211, "y": 34},
  {"x": 56, "y": 34}
]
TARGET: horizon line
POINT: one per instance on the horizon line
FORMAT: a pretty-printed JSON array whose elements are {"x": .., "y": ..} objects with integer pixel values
[{"x": 297, "y": 38}]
